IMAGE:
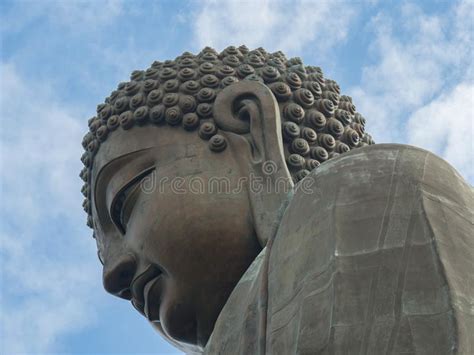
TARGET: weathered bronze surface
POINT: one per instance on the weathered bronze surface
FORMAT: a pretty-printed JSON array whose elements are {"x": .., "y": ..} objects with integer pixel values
[{"x": 229, "y": 204}]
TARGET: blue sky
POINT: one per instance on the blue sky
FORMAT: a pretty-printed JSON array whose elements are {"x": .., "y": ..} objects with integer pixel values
[{"x": 407, "y": 65}]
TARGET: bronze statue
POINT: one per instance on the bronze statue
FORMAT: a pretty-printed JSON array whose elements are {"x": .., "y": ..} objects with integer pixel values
[{"x": 238, "y": 202}]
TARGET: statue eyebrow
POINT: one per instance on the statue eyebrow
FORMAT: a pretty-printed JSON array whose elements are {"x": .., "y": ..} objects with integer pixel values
[{"x": 125, "y": 157}]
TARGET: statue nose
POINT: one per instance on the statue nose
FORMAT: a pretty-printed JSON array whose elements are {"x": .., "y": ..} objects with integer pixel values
[{"x": 118, "y": 277}]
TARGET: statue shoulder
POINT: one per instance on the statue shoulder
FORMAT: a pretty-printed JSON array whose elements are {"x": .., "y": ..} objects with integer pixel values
[{"x": 378, "y": 230}]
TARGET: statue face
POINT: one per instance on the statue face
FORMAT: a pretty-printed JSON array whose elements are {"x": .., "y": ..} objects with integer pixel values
[{"x": 173, "y": 240}]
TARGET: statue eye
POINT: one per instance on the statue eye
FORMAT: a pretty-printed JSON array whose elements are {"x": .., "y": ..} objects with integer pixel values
[{"x": 125, "y": 200}]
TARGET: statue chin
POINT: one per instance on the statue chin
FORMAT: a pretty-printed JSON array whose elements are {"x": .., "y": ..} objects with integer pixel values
[
  {"x": 188, "y": 348},
  {"x": 179, "y": 323},
  {"x": 239, "y": 204}
]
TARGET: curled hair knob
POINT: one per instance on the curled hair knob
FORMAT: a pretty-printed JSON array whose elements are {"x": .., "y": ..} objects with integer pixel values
[{"x": 217, "y": 143}]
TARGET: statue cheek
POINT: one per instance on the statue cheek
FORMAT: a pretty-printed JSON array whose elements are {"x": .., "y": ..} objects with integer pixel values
[
  {"x": 112, "y": 248},
  {"x": 143, "y": 224}
]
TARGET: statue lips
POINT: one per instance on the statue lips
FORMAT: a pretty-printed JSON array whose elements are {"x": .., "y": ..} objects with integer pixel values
[{"x": 141, "y": 285}]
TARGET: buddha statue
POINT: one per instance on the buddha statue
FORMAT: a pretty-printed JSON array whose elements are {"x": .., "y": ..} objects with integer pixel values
[{"x": 239, "y": 205}]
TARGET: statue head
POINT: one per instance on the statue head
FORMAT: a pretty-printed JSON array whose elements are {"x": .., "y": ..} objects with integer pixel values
[{"x": 187, "y": 170}]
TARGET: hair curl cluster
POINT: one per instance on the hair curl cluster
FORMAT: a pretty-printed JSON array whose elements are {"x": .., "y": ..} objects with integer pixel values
[{"x": 318, "y": 123}]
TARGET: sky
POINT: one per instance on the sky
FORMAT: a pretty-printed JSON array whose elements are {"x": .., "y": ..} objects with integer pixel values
[{"x": 408, "y": 66}]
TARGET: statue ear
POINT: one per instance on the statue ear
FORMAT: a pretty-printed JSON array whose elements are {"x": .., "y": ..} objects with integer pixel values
[{"x": 249, "y": 108}]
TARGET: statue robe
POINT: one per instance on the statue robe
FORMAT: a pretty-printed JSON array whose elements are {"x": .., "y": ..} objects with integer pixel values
[{"x": 378, "y": 258}]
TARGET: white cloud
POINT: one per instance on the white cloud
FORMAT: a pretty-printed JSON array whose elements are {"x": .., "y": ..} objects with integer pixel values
[
  {"x": 46, "y": 278},
  {"x": 48, "y": 297},
  {"x": 40, "y": 146},
  {"x": 415, "y": 57},
  {"x": 419, "y": 88},
  {"x": 274, "y": 25},
  {"x": 86, "y": 14},
  {"x": 445, "y": 125},
  {"x": 78, "y": 16}
]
